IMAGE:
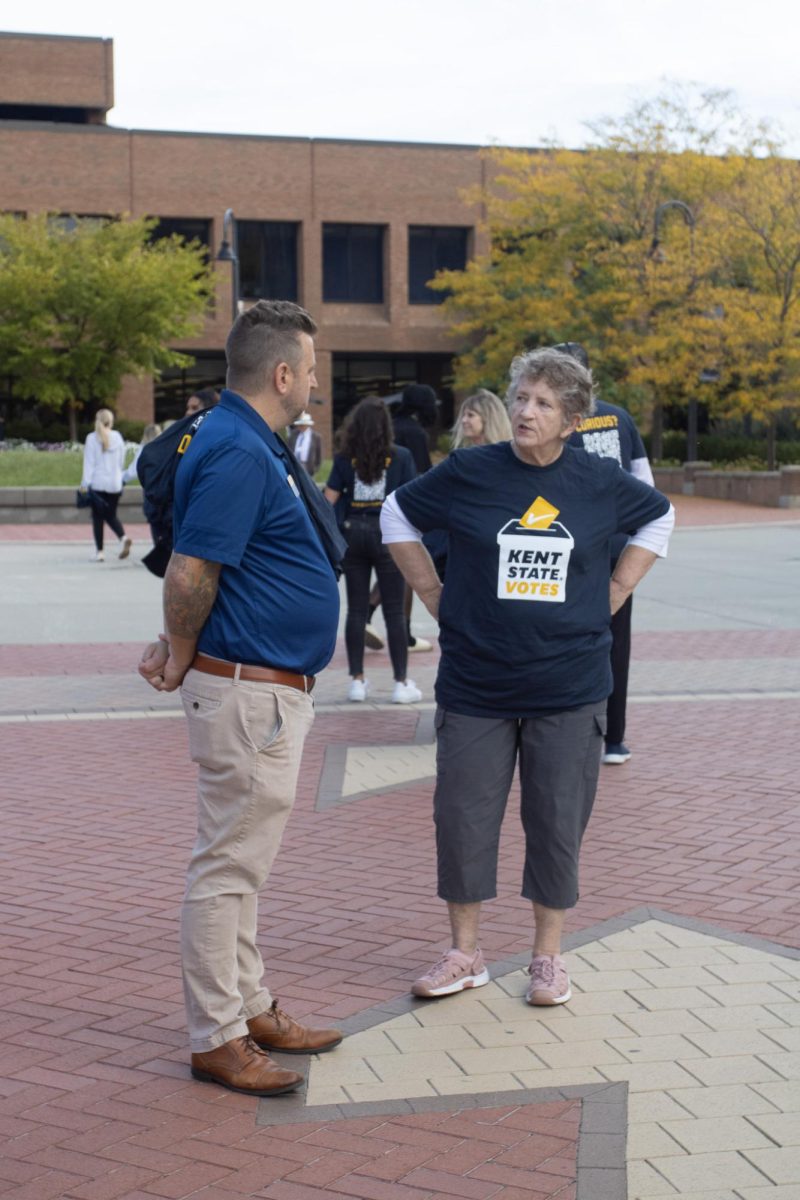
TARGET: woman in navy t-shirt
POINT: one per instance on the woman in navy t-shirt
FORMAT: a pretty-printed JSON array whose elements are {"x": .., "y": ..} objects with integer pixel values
[
  {"x": 524, "y": 674},
  {"x": 368, "y": 468}
]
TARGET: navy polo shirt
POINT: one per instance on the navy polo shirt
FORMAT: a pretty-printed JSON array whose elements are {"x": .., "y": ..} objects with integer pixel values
[{"x": 237, "y": 504}]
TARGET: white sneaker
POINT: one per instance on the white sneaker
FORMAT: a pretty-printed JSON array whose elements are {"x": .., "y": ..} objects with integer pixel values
[
  {"x": 359, "y": 690},
  {"x": 125, "y": 546},
  {"x": 418, "y": 643},
  {"x": 98, "y": 556},
  {"x": 406, "y": 693}
]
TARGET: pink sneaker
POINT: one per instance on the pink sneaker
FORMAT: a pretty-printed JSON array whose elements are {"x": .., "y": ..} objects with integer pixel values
[
  {"x": 549, "y": 980},
  {"x": 452, "y": 973}
]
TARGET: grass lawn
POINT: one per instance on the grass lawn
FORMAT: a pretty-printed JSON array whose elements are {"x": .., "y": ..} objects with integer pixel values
[{"x": 42, "y": 468}]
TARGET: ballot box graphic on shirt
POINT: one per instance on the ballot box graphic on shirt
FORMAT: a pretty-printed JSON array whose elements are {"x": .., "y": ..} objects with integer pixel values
[{"x": 534, "y": 556}]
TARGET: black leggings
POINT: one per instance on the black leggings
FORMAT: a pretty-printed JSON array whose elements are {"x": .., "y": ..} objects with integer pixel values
[
  {"x": 106, "y": 512},
  {"x": 366, "y": 551}
]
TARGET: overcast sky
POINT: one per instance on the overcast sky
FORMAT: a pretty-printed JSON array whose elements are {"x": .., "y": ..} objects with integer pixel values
[{"x": 467, "y": 71}]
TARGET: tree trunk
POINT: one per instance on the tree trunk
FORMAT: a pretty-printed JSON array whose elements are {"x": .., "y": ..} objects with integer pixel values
[
  {"x": 73, "y": 421},
  {"x": 657, "y": 435},
  {"x": 772, "y": 447}
]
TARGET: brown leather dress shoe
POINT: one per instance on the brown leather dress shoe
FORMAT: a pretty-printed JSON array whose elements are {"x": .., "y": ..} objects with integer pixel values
[
  {"x": 242, "y": 1067},
  {"x": 276, "y": 1030}
]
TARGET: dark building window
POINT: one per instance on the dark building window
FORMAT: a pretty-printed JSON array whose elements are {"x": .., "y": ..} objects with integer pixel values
[
  {"x": 268, "y": 259},
  {"x": 191, "y": 229},
  {"x": 433, "y": 248},
  {"x": 176, "y": 384},
  {"x": 359, "y": 375},
  {"x": 352, "y": 263}
]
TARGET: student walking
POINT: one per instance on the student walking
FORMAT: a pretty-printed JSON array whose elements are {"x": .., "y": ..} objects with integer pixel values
[{"x": 103, "y": 462}]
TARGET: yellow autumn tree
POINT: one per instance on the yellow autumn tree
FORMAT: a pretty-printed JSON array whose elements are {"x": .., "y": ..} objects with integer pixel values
[{"x": 613, "y": 246}]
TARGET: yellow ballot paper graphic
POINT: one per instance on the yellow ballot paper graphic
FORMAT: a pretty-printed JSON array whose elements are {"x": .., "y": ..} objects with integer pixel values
[{"x": 534, "y": 556}]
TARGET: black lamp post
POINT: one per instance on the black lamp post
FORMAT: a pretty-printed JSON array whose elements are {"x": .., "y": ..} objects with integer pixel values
[
  {"x": 229, "y": 252},
  {"x": 683, "y": 208}
]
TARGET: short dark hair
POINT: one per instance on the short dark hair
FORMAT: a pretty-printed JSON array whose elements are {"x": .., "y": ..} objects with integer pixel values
[
  {"x": 574, "y": 350},
  {"x": 208, "y": 397},
  {"x": 262, "y": 337}
]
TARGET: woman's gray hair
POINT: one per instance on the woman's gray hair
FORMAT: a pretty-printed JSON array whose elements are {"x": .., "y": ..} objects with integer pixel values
[{"x": 571, "y": 382}]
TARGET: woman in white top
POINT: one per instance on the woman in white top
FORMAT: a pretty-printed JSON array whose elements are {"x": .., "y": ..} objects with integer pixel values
[{"x": 103, "y": 462}]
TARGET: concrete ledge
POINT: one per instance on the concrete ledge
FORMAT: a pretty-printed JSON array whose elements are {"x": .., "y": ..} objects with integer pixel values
[{"x": 56, "y": 505}]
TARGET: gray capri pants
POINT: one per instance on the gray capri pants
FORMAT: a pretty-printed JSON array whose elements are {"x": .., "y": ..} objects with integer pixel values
[{"x": 559, "y": 762}]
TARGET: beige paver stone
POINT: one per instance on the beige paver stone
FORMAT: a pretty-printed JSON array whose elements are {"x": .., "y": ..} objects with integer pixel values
[
  {"x": 333, "y": 1071},
  {"x": 790, "y": 989},
  {"x": 396, "y": 1090},
  {"x": 733, "y": 1041},
  {"x": 791, "y": 966},
  {"x": 783, "y": 1128},
  {"x": 318, "y": 1094},
  {"x": 678, "y": 936},
  {"x": 731, "y": 994},
  {"x": 513, "y": 984},
  {"x": 785, "y": 1063},
  {"x": 581, "y": 1029},
  {"x": 654, "y": 1048},
  {"x": 707, "y": 1134},
  {"x": 453, "y": 1085},
  {"x": 647, "y": 1139},
  {"x": 649, "y": 1077},
  {"x": 655, "y": 999},
  {"x": 460, "y": 1009},
  {"x": 585, "y": 1004},
  {"x": 415, "y": 1066},
  {"x": 619, "y": 960},
  {"x": 786, "y": 1011},
  {"x": 681, "y": 977},
  {"x": 510, "y": 1033},
  {"x": 646, "y": 936},
  {"x": 751, "y": 972},
  {"x": 787, "y": 1192},
  {"x": 479, "y": 1061},
  {"x": 722, "y": 1100},
  {"x": 787, "y": 1039},
  {"x": 781, "y": 1164},
  {"x": 741, "y": 1068},
  {"x": 435, "y": 1037},
  {"x": 657, "y": 1106},
  {"x": 742, "y": 1016},
  {"x": 699, "y": 1171},
  {"x": 690, "y": 956},
  {"x": 371, "y": 1041},
  {"x": 784, "y": 1094},
  {"x": 577, "y": 1054},
  {"x": 607, "y": 981},
  {"x": 547, "y": 1077},
  {"x": 743, "y": 954},
  {"x": 644, "y": 1183},
  {"x": 669, "y": 1020}
]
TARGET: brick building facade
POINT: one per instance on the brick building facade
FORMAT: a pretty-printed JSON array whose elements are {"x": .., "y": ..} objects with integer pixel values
[{"x": 351, "y": 230}]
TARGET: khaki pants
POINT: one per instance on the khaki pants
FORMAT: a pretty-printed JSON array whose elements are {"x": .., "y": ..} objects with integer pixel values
[{"x": 247, "y": 740}]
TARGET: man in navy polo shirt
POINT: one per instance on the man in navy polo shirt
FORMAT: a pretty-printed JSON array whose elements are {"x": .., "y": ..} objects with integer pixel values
[{"x": 251, "y": 608}]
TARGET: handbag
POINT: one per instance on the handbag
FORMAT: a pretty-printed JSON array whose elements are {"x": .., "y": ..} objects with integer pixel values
[{"x": 83, "y": 498}]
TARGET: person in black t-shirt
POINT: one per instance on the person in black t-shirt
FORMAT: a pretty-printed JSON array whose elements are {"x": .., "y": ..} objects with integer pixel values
[
  {"x": 611, "y": 433},
  {"x": 368, "y": 468},
  {"x": 524, "y": 674}
]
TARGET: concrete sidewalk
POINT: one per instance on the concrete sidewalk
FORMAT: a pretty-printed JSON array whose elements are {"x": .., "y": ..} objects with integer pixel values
[{"x": 676, "y": 1066}]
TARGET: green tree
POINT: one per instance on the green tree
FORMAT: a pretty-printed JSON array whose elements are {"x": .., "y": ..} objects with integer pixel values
[{"x": 80, "y": 308}]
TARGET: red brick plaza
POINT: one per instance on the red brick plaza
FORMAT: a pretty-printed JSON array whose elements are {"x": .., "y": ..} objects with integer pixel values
[{"x": 682, "y": 1038}]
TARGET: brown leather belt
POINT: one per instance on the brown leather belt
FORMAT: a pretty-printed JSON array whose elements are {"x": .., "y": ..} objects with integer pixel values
[{"x": 217, "y": 666}]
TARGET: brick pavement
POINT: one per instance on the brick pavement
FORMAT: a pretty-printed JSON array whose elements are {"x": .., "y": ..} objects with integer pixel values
[{"x": 96, "y": 1100}]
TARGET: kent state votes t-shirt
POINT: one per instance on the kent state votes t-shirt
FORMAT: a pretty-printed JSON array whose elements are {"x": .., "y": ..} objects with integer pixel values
[{"x": 524, "y": 614}]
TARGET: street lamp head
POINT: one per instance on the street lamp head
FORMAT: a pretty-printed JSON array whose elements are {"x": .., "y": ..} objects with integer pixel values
[{"x": 225, "y": 253}]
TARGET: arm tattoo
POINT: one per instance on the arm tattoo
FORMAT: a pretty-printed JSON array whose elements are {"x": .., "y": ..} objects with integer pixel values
[{"x": 190, "y": 589}]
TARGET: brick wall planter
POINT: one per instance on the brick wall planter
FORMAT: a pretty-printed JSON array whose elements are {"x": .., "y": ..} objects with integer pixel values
[{"x": 771, "y": 489}]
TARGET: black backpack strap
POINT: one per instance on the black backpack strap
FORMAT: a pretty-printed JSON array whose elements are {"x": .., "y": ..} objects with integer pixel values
[{"x": 320, "y": 511}]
